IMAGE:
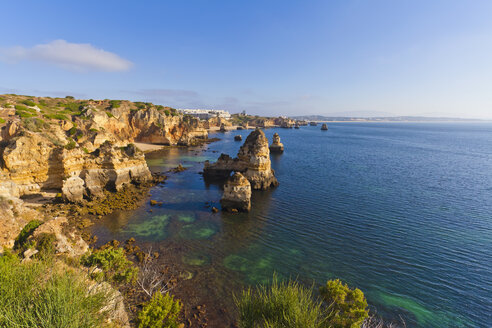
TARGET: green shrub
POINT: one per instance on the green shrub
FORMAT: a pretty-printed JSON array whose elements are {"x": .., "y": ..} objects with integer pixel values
[
  {"x": 25, "y": 233},
  {"x": 280, "y": 305},
  {"x": 93, "y": 130},
  {"x": 347, "y": 307},
  {"x": 114, "y": 103},
  {"x": 167, "y": 112},
  {"x": 72, "y": 130},
  {"x": 69, "y": 97},
  {"x": 109, "y": 114},
  {"x": 162, "y": 311},
  {"x": 73, "y": 107},
  {"x": 114, "y": 265},
  {"x": 34, "y": 124},
  {"x": 71, "y": 144},
  {"x": 45, "y": 244},
  {"x": 140, "y": 105},
  {"x": 57, "y": 116},
  {"x": 25, "y": 109},
  {"x": 24, "y": 114},
  {"x": 35, "y": 295},
  {"x": 2, "y": 120},
  {"x": 86, "y": 150},
  {"x": 28, "y": 102}
]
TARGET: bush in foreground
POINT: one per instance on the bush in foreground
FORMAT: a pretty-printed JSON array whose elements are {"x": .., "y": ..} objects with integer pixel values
[
  {"x": 280, "y": 305},
  {"x": 114, "y": 265},
  {"x": 290, "y": 305},
  {"x": 162, "y": 311},
  {"x": 348, "y": 307},
  {"x": 35, "y": 294}
]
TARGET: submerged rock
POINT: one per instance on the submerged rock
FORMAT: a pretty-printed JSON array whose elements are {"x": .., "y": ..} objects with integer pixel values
[
  {"x": 253, "y": 161},
  {"x": 324, "y": 127},
  {"x": 237, "y": 194},
  {"x": 238, "y": 138},
  {"x": 276, "y": 146}
]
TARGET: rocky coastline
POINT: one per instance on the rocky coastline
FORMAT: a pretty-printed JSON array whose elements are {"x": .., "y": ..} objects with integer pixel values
[{"x": 67, "y": 151}]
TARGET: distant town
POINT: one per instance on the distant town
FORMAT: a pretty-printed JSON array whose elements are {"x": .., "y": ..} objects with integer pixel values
[{"x": 205, "y": 114}]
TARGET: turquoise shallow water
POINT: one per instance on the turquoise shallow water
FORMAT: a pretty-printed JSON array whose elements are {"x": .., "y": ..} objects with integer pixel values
[{"x": 402, "y": 211}]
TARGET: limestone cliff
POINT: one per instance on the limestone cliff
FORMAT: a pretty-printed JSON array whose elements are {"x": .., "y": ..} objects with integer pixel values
[
  {"x": 32, "y": 163},
  {"x": 253, "y": 161},
  {"x": 79, "y": 148}
]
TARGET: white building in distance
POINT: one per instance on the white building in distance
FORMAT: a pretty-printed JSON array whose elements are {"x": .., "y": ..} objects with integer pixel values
[{"x": 205, "y": 114}]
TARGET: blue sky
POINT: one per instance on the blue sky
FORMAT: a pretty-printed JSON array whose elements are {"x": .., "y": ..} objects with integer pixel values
[{"x": 406, "y": 57}]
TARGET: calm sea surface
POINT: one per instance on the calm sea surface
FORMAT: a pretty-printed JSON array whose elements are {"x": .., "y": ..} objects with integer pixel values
[{"x": 401, "y": 210}]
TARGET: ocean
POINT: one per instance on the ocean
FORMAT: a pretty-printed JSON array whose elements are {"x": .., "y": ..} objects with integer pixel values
[{"x": 402, "y": 211}]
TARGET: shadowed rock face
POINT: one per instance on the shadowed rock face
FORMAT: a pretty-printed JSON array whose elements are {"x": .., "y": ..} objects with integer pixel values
[
  {"x": 253, "y": 161},
  {"x": 276, "y": 146},
  {"x": 32, "y": 163},
  {"x": 237, "y": 194}
]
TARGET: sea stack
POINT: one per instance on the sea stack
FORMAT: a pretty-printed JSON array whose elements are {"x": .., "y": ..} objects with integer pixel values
[
  {"x": 253, "y": 161},
  {"x": 222, "y": 128},
  {"x": 237, "y": 194},
  {"x": 324, "y": 127},
  {"x": 276, "y": 146}
]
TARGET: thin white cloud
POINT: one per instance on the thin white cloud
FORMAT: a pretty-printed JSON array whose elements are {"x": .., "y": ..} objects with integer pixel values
[{"x": 72, "y": 56}]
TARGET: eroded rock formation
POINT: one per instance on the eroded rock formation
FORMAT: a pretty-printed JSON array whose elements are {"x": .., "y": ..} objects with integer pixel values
[
  {"x": 237, "y": 194},
  {"x": 79, "y": 148},
  {"x": 253, "y": 161},
  {"x": 66, "y": 240},
  {"x": 276, "y": 146},
  {"x": 32, "y": 163}
]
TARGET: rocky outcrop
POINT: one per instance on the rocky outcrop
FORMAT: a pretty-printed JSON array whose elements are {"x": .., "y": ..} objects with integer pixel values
[
  {"x": 276, "y": 146},
  {"x": 73, "y": 189},
  {"x": 237, "y": 194},
  {"x": 33, "y": 163},
  {"x": 13, "y": 217},
  {"x": 238, "y": 138},
  {"x": 67, "y": 241},
  {"x": 253, "y": 161},
  {"x": 324, "y": 127},
  {"x": 114, "y": 308}
]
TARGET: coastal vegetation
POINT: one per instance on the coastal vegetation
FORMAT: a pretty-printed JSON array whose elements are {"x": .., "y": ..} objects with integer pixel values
[
  {"x": 42, "y": 293},
  {"x": 111, "y": 264},
  {"x": 162, "y": 311},
  {"x": 289, "y": 304}
]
